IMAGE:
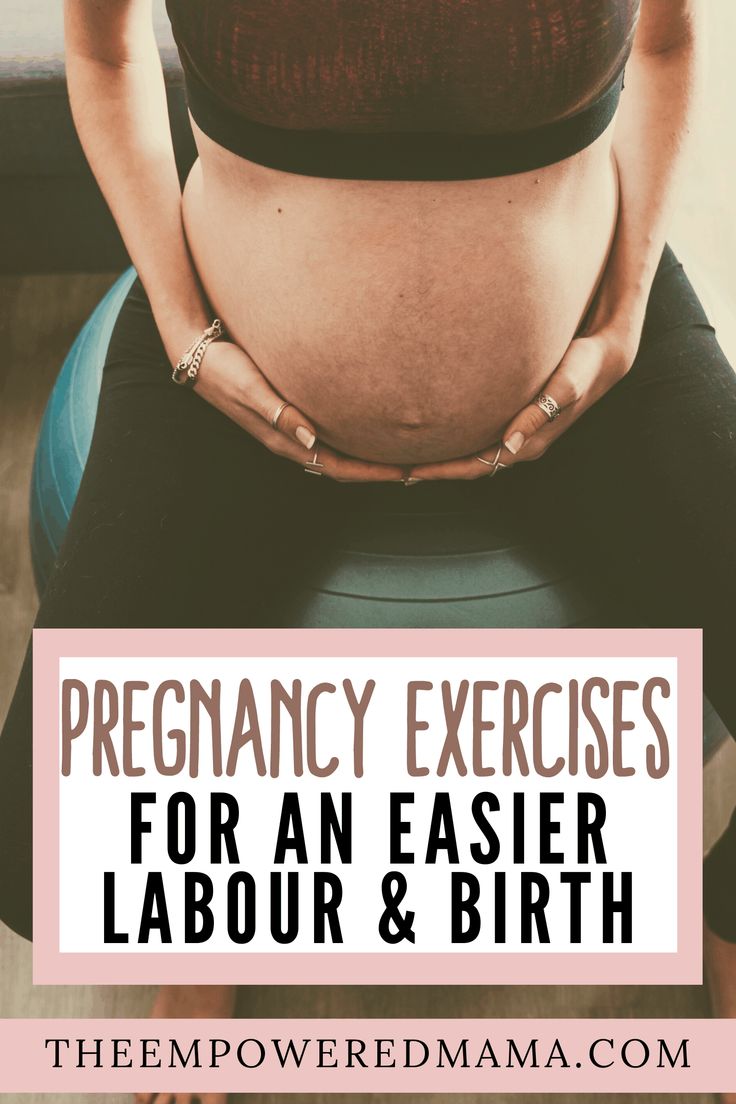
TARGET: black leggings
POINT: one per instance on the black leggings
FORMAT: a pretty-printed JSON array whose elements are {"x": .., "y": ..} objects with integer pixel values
[{"x": 182, "y": 519}]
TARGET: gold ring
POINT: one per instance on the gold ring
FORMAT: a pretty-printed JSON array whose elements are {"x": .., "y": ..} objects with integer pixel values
[
  {"x": 548, "y": 405},
  {"x": 278, "y": 412},
  {"x": 312, "y": 465}
]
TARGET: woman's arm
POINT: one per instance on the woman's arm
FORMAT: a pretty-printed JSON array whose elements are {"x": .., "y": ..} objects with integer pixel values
[
  {"x": 118, "y": 100},
  {"x": 662, "y": 84},
  {"x": 651, "y": 131},
  {"x": 117, "y": 95}
]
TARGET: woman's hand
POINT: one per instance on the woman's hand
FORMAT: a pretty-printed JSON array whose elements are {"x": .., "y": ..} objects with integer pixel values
[
  {"x": 232, "y": 382},
  {"x": 590, "y": 367}
]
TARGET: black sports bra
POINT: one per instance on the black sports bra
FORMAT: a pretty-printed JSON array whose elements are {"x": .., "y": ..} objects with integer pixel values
[{"x": 404, "y": 89}]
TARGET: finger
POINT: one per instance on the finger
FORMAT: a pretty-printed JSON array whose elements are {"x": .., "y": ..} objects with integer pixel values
[
  {"x": 321, "y": 460},
  {"x": 274, "y": 441},
  {"x": 567, "y": 386},
  {"x": 348, "y": 469},
  {"x": 484, "y": 464},
  {"x": 466, "y": 468},
  {"x": 263, "y": 400},
  {"x": 292, "y": 423},
  {"x": 526, "y": 423}
]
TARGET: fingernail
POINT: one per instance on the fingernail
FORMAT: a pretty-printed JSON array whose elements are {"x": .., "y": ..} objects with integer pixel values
[
  {"x": 515, "y": 441},
  {"x": 305, "y": 436}
]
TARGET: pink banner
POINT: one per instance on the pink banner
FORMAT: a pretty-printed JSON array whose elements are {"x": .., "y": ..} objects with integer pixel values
[
  {"x": 368, "y": 1056},
  {"x": 54, "y": 966}
]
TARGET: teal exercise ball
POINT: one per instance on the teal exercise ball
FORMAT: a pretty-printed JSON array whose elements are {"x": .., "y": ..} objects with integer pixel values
[
  {"x": 66, "y": 430},
  {"x": 462, "y": 568}
]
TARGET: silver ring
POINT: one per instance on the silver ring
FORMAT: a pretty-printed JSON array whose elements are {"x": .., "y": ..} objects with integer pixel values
[
  {"x": 548, "y": 405},
  {"x": 495, "y": 463},
  {"x": 278, "y": 412},
  {"x": 312, "y": 465}
]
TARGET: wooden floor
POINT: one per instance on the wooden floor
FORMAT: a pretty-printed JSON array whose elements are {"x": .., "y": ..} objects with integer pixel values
[{"x": 38, "y": 319}]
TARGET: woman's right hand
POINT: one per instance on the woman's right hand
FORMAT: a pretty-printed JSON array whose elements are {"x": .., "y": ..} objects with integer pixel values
[{"x": 232, "y": 382}]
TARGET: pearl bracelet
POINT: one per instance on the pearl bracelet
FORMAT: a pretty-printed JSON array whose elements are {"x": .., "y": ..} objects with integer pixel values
[{"x": 186, "y": 371}]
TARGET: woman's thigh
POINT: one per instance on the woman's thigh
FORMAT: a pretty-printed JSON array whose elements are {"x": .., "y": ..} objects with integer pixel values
[
  {"x": 181, "y": 518},
  {"x": 643, "y": 486}
]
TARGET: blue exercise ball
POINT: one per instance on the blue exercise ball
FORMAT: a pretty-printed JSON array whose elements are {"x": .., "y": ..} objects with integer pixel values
[
  {"x": 440, "y": 568},
  {"x": 66, "y": 430}
]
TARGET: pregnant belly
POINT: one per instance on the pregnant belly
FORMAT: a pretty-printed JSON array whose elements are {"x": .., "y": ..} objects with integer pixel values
[{"x": 409, "y": 321}]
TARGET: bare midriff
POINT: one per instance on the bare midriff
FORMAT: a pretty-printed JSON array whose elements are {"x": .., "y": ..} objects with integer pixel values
[{"x": 409, "y": 320}]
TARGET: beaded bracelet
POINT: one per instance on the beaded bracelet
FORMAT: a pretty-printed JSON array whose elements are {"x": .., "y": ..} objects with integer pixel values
[{"x": 186, "y": 371}]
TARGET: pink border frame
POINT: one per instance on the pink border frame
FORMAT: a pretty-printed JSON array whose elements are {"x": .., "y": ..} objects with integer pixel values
[
  {"x": 50, "y": 966},
  {"x": 26, "y": 1063}
]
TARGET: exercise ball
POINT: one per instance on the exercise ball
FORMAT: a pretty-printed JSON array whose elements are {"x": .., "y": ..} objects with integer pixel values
[
  {"x": 66, "y": 431},
  {"x": 454, "y": 564}
]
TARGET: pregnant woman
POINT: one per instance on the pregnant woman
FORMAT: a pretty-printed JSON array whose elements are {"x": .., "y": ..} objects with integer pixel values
[{"x": 433, "y": 233}]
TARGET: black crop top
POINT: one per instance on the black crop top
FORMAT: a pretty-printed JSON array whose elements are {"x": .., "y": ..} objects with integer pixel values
[{"x": 404, "y": 89}]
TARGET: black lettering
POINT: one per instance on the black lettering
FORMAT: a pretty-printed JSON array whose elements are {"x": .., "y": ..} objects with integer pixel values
[
  {"x": 464, "y": 896},
  {"x": 223, "y": 827}
]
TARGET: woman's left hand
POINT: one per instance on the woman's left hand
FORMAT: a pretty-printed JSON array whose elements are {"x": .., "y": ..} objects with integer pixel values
[{"x": 589, "y": 368}]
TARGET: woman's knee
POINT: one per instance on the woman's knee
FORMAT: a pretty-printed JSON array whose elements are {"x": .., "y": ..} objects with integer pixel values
[
  {"x": 16, "y": 790},
  {"x": 16, "y": 853},
  {"x": 16, "y": 910},
  {"x": 16, "y": 850},
  {"x": 719, "y": 872}
]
